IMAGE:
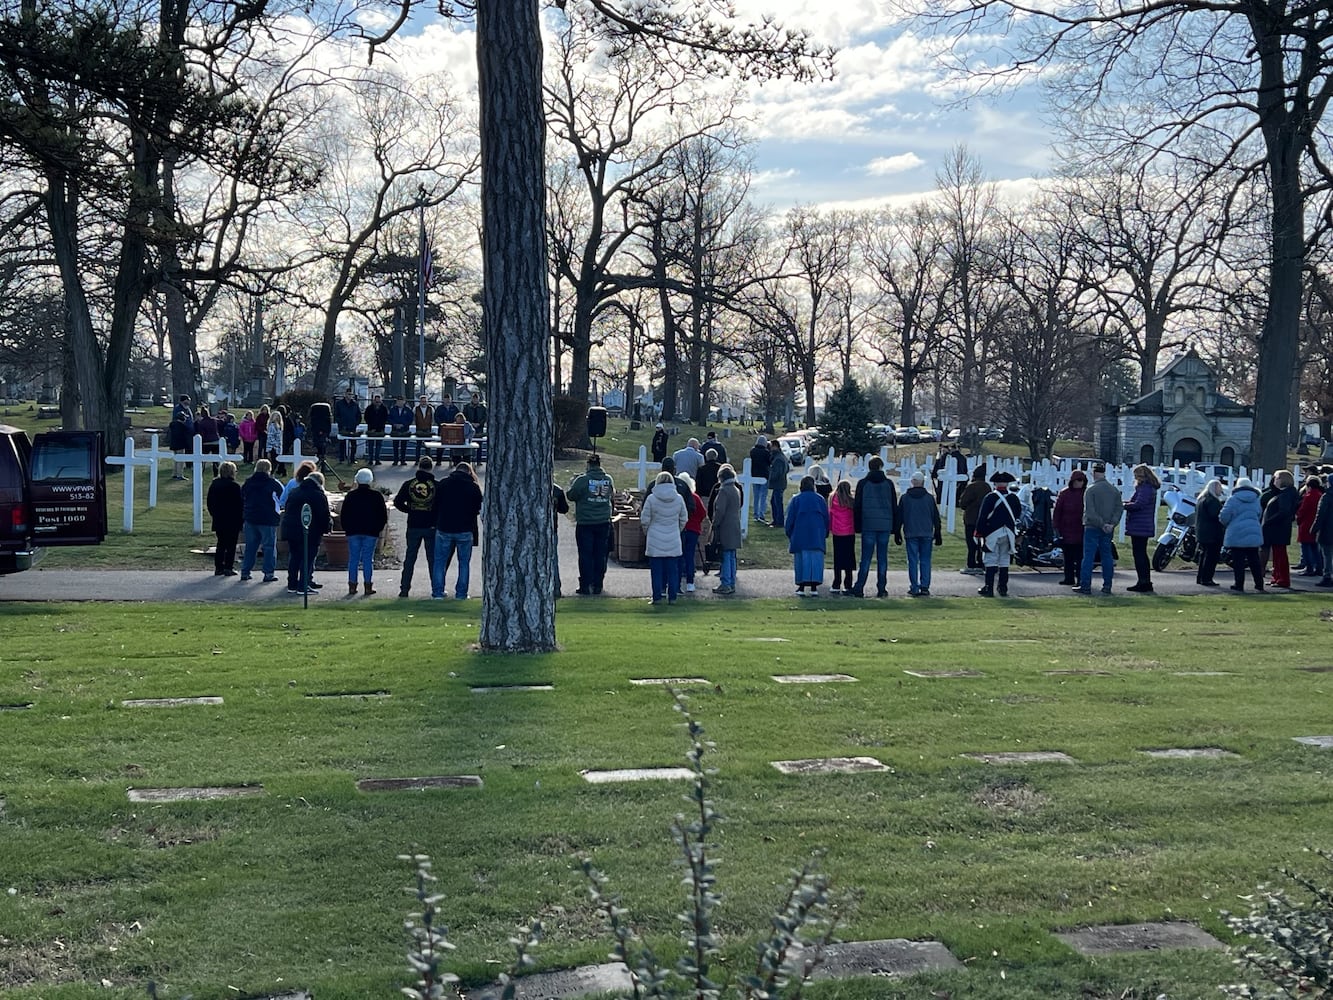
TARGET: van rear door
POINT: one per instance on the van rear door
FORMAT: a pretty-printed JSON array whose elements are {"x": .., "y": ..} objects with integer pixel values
[{"x": 68, "y": 488}]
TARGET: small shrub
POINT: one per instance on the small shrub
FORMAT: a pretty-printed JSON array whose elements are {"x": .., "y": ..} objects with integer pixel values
[{"x": 1295, "y": 956}]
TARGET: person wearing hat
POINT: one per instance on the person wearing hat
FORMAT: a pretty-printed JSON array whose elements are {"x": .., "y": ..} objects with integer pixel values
[
  {"x": 364, "y": 515},
  {"x": 660, "y": 444},
  {"x": 1102, "y": 509},
  {"x": 416, "y": 499},
  {"x": 760, "y": 462},
  {"x": 1242, "y": 517},
  {"x": 997, "y": 527},
  {"x": 591, "y": 495}
]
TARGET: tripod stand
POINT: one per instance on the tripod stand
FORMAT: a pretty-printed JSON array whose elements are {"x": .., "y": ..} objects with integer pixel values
[{"x": 322, "y": 463}]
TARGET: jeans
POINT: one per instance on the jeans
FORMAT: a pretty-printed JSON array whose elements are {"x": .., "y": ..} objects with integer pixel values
[
  {"x": 1312, "y": 559},
  {"x": 399, "y": 451},
  {"x": 346, "y": 446},
  {"x": 664, "y": 571},
  {"x": 874, "y": 543},
  {"x": 1326, "y": 553},
  {"x": 360, "y": 552},
  {"x": 759, "y": 500},
  {"x": 778, "y": 510},
  {"x": 1096, "y": 543},
  {"x": 373, "y": 446},
  {"x": 918, "y": 563},
  {"x": 726, "y": 570},
  {"x": 301, "y": 571},
  {"x": 415, "y": 538},
  {"x": 689, "y": 548},
  {"x": 594, "y": 543},
  {"x": 446, "y": 544},
  {"x": 260, "y": 536}
]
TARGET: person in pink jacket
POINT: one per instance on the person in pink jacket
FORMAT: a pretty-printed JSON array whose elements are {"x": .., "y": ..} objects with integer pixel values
[
  {"x": 842, "y": 521},
  {"x": 248, "y": 436}
]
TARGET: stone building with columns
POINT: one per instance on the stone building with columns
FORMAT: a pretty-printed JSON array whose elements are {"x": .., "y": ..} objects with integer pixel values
[{"x": 1184, "y": 419}]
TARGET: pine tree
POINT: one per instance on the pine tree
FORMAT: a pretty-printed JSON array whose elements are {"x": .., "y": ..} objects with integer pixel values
[{"x": 845, "y": 425}]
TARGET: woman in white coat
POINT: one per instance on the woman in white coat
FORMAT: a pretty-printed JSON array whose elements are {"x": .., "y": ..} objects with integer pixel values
[{"x": 663, "y": 519}]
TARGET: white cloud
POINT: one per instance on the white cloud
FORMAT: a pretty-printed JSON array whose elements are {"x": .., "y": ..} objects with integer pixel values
[
  {"x": 768, "y": 178},
  {"x": 882, "y": 166}
]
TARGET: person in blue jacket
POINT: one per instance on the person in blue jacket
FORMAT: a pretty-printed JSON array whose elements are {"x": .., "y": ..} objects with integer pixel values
[
  {"x": 1244, "y": 533},
  {"x": 807, "y": 526}
]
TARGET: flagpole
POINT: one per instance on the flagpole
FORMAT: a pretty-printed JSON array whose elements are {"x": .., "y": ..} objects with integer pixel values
[{"x": 421, "y": 286}]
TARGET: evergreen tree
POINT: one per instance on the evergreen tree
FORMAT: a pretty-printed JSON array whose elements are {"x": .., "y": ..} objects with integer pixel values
[{"x": 845, "y": 426}]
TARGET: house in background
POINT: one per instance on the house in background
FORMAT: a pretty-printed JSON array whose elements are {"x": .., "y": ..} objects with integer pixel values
[{"x": 1184, "y": 419}]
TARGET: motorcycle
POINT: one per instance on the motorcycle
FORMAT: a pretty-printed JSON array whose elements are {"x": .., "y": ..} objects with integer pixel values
[{"x": 1179, "y": 537}]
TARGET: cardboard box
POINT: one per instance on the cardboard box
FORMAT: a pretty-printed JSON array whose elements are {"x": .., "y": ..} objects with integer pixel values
[{"x": 451, "y": 433}]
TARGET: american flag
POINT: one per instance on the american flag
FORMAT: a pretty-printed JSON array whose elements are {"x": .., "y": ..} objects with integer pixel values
[{"x": 427, "y": 265}]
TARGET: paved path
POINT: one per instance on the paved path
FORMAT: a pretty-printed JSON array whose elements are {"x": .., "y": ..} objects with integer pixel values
[{"x": 201, "y": 585}]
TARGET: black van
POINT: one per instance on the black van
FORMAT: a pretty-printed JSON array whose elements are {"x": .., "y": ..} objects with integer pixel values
[{"x": 52, "y": 492}]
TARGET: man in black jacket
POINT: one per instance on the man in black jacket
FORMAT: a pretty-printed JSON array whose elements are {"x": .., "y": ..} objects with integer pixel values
[
  {"x": 761, "y": 460},
  {"x": 302, "y": 545},
  {"x": 416, "y": 499},
  {"x": 457, "y": 508},
  {"x": 259, "y": 508},
  {"x": 377, "y": 418}
]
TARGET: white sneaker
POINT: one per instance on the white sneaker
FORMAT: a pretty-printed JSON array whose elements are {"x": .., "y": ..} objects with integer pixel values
[{"x": 689, "y": 588}]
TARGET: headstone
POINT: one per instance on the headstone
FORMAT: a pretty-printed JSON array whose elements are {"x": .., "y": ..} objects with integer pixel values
[
  {"x": 830, "y": 765},
  {"x": 1023, "y": 757},
  {"x": 670, "y": 681},
  {"x": 1323, "y": 742},
  {"x": 894, "y": 957},
  {"x": 16, "y": 706},
  {"x": 195, "y": 794},
  {"x": 767, "y": 638},
  {"x": 1317, "y": 670},
  {"x": 418, "y": 784},
  {"x": 170, "y": 702},
  {"x": 613, "y": 977},
  {"x": 1077, "y": 673},
  {"x": 637, "y": 774},
  {"x": 813, "y": 678},
  {"x": 1108, "y": 940},
  {"x": 363, "y": 695},
  {"x": 1188, "y": 753},
  {"x": 1201, "y": 673},
  {"x": 943, "y": 673},
  {"x": 488, "y": 688}
]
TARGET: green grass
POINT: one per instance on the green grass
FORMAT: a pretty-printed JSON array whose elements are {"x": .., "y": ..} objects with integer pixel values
[{"x": 301, "y": 888}]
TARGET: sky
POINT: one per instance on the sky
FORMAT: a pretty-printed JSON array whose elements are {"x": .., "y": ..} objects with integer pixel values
[{"x": 877, "y": 133}]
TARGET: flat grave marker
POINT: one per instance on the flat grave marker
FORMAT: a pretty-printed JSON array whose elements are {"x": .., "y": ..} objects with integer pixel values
[
  {"x": 201, "y": 794},
  {"x": 611, "y": 977},
  {"x": 1202, "y": 673},
  {"x": 1023, "y": 757},
  {"x": 814, "y": 678},
  {"x": 830, "y": 765},
  {"x": 16, "y": 706},
  {"x": 766, "y": 638},
  {"x": 1077, "y": 673},
  {"x": 1112, "y": 938},
  {"x": 894, "y": 957},
  {"x": 637, "y": 774},
  {"x": 363, "y": 695},
  {"x": 489, "y": 688},
  {"x": 943, "y": 673},
  {"x": 418, "y": 784},
  {"x": 170, "y": 702},
  {"x": 1188, "y": 753},
  {"x": 1323, "y": 742},
  {"x": 682, "y": 681}
]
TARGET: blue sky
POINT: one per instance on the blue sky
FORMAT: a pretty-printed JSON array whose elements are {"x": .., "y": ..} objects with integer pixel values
[{"x": 877, "y": 133}]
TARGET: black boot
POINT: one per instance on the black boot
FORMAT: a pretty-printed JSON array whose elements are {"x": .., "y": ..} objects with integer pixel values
[
  {"x": 1004, "y": 582},
  {"x": 989, "y": 589}
]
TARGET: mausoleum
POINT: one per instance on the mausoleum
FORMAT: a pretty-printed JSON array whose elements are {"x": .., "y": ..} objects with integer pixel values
[{"x": 1184, "y": 419}]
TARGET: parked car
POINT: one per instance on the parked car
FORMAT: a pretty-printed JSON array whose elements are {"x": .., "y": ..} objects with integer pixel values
[
  {"x": 52, "y": 492},
  {"x": 930, "y": 433},
  {"x": 794, "y": 448},
  {"x": 990, "y": 433},
  {"x": 906, "y": 435}
]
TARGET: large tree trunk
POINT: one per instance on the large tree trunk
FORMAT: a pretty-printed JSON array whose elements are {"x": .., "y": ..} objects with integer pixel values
[
  {"x": 518, "y": 595},
  {"x": 1280, "y": 340}
]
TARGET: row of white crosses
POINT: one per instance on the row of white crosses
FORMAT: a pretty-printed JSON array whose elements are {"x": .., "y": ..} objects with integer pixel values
[{"x": 197, "y": 458}]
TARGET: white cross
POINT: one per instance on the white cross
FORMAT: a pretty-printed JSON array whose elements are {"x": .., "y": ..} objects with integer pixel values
[
  {"x": 128, "y": 462},
  {"x": 643, "y": 465},
  {"x": 747, "y": 479},
  {"x": 197, "y": 460},
  {"x": 156, "y": 454}
]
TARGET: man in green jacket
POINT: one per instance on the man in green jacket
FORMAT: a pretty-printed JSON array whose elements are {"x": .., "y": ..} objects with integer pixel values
[{"x": 591, "y": 496}]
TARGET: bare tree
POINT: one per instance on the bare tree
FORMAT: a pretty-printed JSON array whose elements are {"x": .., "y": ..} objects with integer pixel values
[
  {"x": 906, "y": 259},
  {"x": 1256, "y": 73}
]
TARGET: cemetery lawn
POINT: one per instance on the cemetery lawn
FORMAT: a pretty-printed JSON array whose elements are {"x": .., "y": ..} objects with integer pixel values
[{"x": 299, "y": 887}]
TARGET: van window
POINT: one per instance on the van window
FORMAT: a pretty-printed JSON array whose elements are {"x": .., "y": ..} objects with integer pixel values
[{"x": 62, "y": 460}]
